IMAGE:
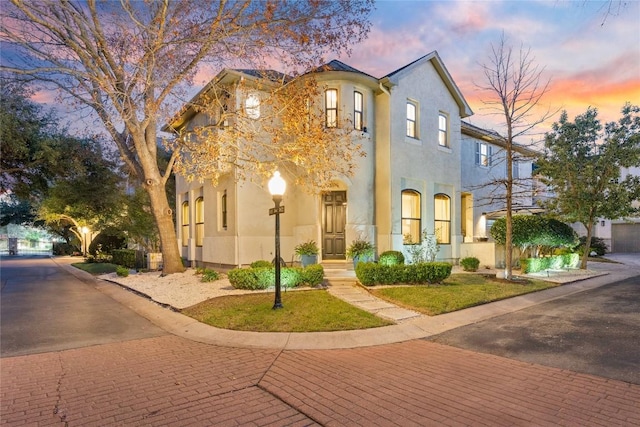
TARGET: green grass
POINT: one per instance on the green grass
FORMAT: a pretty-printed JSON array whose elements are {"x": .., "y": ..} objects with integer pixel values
[
  {"x": 304, "y": 311},
  {"x": 457, "y": 292},
  {"x": 96, "y": 268}
]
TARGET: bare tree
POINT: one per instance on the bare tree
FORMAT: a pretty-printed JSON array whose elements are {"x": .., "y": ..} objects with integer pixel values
[
  {"x": 128, "y": 60},
  {"x": 515, "y": 88}
]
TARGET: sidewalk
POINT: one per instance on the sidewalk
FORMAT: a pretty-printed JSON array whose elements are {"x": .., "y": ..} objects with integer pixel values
[{"x": 410, "y": 324}]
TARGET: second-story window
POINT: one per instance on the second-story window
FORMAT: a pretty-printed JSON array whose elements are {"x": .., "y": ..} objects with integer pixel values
[
  {"x": 412, "y": 120},
  {"x": 483, "y": 154},
  {"x": 357, "y": 110},
  {"x": 331, "y": 108},
  {"x": 443, "y": 134},
  {"x": 252, "y": 106},
  {"x": 199, "y": 221}
]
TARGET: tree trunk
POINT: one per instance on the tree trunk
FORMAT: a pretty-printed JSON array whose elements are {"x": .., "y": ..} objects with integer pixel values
[
  {"x": 587, "y": 246},
  {"x": 171, "y": 259},
  {"x": 508, "y": 273}
]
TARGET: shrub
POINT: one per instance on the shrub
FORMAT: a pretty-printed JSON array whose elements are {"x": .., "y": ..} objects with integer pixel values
[
  {"x": 122, "y": 271},
  {"x": 532, "y": 231},
  {"x": 265, "y": 277},
  {"x": 124, "y": 257},
  {"x": 470, "y": 263},
  {"x": 598, "y": 246},
  {"x": 534, "y": 265},
  {"x": 312, "y": 275},
  {"x": 209, "y": 275},
  {"x": 261, "y": 264},
  {"x": 427, "y": 272},
  {"x": 391, "y": 258}
]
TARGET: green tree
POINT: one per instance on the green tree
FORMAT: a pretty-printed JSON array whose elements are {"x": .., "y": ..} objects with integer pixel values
[
  {"x": 128, "y": 60},
  {"x": 582, "y": 166}
]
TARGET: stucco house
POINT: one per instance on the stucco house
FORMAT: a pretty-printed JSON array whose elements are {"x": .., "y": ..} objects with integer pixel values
[{"x": 420, "y": 173}]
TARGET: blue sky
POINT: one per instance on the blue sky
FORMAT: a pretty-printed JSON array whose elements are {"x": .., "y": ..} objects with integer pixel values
[{"x": 591, "y": 57}]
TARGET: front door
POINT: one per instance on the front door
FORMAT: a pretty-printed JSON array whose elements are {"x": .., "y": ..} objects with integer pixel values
[{"x": 334, "y": 217}]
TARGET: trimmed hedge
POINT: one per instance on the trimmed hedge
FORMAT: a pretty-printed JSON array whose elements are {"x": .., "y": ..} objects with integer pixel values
[
  {"x": 265, "y": 277},
  {"x": 370, "y": 274},
  {"x": 124, "y": 257},
  {"x": 533, "y": 265}
]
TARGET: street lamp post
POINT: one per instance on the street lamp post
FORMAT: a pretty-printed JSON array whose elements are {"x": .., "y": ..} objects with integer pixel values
[{"x": 277, "y": 186}]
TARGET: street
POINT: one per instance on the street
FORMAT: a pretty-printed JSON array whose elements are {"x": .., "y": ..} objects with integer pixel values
[{"x": 148, "y": 377}]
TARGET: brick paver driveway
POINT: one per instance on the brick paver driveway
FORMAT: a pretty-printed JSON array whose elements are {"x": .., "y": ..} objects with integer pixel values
[{"x": 173, "y": 381}]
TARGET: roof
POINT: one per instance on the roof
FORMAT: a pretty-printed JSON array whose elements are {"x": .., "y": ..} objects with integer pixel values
[
  {"x": 494, "y": 138},
  {"x": 336, "y": 65},
  {"x": 436, "y": 61}
]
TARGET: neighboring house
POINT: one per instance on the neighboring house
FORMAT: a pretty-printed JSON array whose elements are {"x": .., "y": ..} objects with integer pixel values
[
  {"x": 421, "y": 172},
  {"x": 620, "y": 235},
  {"x": 484, "y": 173}
]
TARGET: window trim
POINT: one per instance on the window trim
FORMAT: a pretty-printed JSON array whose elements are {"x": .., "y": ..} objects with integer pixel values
[
  {"x": 185, "y": 235},
  {"x": 199, "y": 221},
  {"x": 437, "y": 220},
  {"x": 358, "y": 110},
  {"x": 403, "y": 218},
  {"x": 333, "y": 108},
  {"x": 412, "y": 123}
]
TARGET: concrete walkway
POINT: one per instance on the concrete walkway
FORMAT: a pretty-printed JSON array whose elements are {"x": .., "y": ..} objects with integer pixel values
[{"x": 409, "y": 326}]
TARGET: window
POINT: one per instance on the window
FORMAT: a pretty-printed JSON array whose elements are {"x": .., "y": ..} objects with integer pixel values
[
  {"x": 443, "y": 135},
  {"x": 483, "y": 154},
  {"x": 185, "y": 223},
  {"x": 252, "y": 106},
  {"x": 411, "y": 120},
  {"x": 411, "y": 220},
  {"x": 331, "y": 108},
  {"x": 442, "y": 223},
  {"x": 357, "y": 110},
  {"x": 199, "y": 221},
  {"x": 223, "y": 208}
]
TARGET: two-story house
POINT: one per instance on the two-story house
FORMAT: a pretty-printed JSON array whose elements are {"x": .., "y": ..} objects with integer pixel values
[{"x": 422, "y": 162}]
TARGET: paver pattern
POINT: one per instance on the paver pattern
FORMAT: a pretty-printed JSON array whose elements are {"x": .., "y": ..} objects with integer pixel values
[{"x": 173, "y": 381}]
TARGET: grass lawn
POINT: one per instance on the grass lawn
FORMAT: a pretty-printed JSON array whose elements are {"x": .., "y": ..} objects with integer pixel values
[
  {"x": 96, "y": 268},
  {"x": 304, "y": 311},
  {"x": 457, "y": 292}
]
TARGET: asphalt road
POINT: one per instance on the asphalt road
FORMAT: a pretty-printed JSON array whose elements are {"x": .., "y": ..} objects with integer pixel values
[
  {"x": 595, "y": 332},
  {"x": 43, "y": 308}
]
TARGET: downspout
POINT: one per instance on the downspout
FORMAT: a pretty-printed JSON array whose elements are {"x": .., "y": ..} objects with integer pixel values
[
  {"x": 389, "y": 238},
  {"x": 235, "y": 217}
]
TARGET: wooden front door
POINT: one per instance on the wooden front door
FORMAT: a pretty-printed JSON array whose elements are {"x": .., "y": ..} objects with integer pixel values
[{"x": 334, "y": 218}]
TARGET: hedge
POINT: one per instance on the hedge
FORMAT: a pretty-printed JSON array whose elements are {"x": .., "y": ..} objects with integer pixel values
[
  {"x": 369, "y": 273},
  {"x": 124, "y": 257},
  {"x": 533, "y": 265},
  {"x": 265, "y": 277}
]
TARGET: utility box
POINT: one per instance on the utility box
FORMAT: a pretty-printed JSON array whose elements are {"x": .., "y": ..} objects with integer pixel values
[{"x": 154, "y": 261}]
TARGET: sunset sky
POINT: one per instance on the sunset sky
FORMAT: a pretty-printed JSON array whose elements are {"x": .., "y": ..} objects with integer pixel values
[{"x": 591, "y": 57}]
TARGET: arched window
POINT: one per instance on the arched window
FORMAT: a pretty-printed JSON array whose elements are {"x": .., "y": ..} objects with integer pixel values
[
  {"x": 199, "y": 221},
  {"x": 223, "y": 209},
  {"x": 411, "y": 217},
  {"x": 185, "y": 223},
  {"x": 442, "y": 223}
]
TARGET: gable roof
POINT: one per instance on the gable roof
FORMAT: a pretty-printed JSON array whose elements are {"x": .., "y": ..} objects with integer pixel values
[
  {"x": 336, "y": 65},
  {"x": 436, "y": 61},
  {"x": 494, "y": 138}
]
